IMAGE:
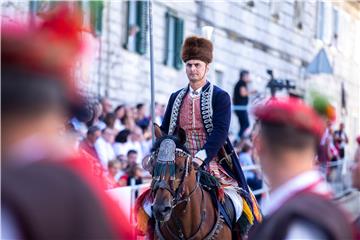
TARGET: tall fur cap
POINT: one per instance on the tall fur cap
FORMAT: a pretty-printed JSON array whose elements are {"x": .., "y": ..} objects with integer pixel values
[{"x": 197, "y": 48}]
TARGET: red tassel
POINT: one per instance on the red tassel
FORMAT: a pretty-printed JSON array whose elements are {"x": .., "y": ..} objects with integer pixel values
[
  {"x": 140, "y": 200},
  {"x": 221, "y": 194},
  {"x": 144, "y": 224}
]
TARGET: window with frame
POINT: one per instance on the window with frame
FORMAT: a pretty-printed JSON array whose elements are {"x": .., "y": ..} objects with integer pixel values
[
  {"x": 92, "y": 12},
  {"x": 275, "y": 9},
  {"x": 174, "y": 40},
  {"x": 320, "y": 20},
  {"x": 39, "y": 7},
  {"x": 335, "y": 25},
  {"x": 299, "y": 12},
  {"x": 136, "y": 36}
]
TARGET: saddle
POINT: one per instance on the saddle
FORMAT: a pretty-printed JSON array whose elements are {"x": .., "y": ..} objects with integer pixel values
[{"x": 222, "y": 201}]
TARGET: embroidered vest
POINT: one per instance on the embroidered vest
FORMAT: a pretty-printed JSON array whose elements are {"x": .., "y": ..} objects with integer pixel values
[
  {"x": 205, "y": 106},
  {"x": 190, "y": 120}
]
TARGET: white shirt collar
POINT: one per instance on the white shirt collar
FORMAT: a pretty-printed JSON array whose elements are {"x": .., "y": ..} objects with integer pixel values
[
  {"x": 284, "y": 192},
  {"x": 192, "y": 91}
]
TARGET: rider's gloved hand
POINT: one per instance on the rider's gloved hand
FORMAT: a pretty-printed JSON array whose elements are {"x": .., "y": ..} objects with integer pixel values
[
  {"x": 199, "y": 159},
  {"x": 198, "y": 163}
]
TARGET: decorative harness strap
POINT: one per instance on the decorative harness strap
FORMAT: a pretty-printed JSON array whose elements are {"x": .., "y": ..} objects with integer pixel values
[
  {"x": 165, "y": 159},
  {"x": 218, "y": 226},
  {"x": 179, "y": 224}
]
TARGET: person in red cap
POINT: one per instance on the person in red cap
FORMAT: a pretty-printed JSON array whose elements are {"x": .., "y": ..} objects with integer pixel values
[
  {"x": 299, "y": 197},
  {"x": 48, "y": 190}
]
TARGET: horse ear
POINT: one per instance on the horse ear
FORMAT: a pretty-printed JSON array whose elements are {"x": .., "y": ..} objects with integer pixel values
[
  {"x": 181, "y": 134},
  {"x": 158, "y": 132}
]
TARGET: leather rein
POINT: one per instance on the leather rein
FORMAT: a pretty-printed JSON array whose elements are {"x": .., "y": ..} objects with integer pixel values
[{"x": 178, "y": 199}]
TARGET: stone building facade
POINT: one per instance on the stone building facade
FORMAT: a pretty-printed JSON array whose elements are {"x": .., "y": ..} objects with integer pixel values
[{"x": 284, "y": 36}]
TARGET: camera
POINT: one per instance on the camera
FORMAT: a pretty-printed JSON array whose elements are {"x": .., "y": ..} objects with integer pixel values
[{"x": 279, "y": 84}]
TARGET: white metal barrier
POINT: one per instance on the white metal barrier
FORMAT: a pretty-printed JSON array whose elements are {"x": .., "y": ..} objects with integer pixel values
[
  {"x": 239, "y": 108},
  {"x": 338, "y": 176},
  {"x": 126, "y": 196}
]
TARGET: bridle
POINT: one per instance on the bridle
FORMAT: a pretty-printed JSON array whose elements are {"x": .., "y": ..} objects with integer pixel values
[
  {"x": 164, "y": 159},
  {"x": 159, "y": 181}
]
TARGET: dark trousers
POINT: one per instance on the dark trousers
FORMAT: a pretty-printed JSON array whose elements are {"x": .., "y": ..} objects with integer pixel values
[
  {"x": 342, "y": 153},
  {"x": 243, "y": 121}
]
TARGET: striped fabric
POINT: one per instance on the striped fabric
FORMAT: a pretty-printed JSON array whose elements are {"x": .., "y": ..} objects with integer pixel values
[{"x": 190, "y": 120}]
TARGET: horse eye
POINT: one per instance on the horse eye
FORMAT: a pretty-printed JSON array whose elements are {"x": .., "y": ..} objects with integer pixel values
[{"x": 181, "y": 169}]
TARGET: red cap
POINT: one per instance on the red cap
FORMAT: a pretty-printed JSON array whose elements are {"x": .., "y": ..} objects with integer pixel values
[
  {"x": 293, "y": 112},
  {"x": 52, "y": 48}
]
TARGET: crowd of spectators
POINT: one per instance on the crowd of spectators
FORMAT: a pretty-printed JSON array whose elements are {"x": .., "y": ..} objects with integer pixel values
[
  {"x": 249, "y": 160},
  {"x": 332, "y": 149},
  {"x": 117, "y": 139}
]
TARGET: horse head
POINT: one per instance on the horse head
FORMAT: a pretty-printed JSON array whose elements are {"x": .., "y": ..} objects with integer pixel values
[{"x": 172, "y": 173}]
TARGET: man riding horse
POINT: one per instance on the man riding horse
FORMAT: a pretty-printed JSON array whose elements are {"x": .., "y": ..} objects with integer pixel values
[{"x": 203, "y": 110}]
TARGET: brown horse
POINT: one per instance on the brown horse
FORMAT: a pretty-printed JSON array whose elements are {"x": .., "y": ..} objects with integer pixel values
[{"x": 181, "y": 207}]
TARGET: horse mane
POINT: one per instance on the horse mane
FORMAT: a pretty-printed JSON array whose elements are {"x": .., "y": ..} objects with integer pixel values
[{"x": 156, "y": 145}]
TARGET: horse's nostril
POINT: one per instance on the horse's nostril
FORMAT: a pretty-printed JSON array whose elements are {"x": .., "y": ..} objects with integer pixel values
[
  {"x": 166, "y": 209},
  {"x": 161, "y": 211}
]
